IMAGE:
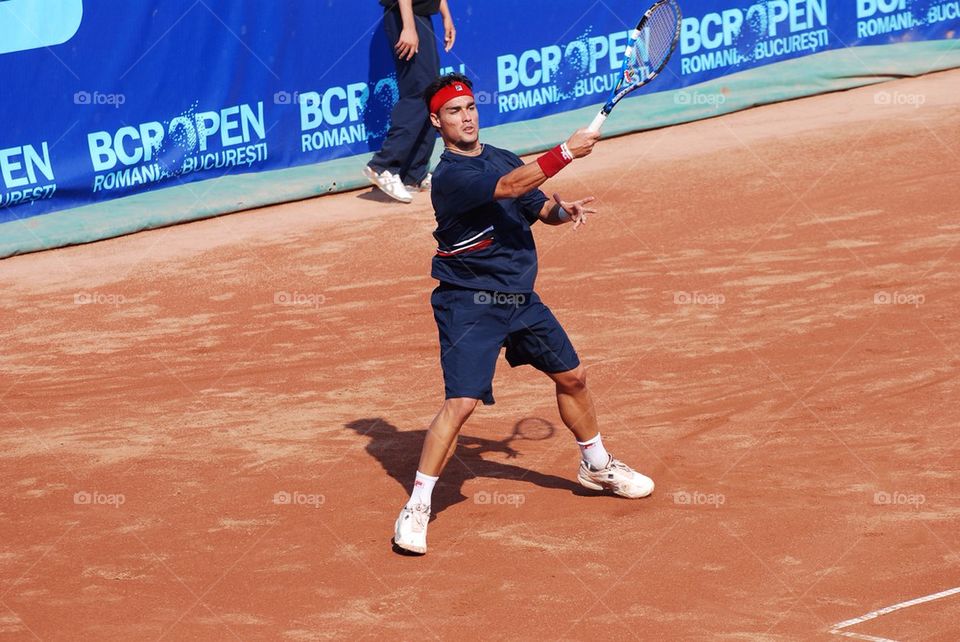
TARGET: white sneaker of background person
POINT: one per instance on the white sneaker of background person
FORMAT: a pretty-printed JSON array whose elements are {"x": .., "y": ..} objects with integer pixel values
[
  {"x": 389, "y": 184},
  {"x": 424, "y": 185}
]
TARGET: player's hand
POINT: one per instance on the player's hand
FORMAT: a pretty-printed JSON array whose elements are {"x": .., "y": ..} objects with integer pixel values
[
  {"x": 577, "y": 210},
  {"x": 449, "y": 34},
  {"x": 408, "y": 45},
  {"x": 581, "y": 142}
]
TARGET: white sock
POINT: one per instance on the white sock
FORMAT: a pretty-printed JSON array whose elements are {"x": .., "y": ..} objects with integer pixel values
[
  {"x": 593, "y": 452},
  {"x": 422, "y": 489}
]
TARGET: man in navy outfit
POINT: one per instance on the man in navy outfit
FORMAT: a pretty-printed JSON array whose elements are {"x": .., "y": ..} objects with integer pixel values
[{"x": 485, "y": 200}]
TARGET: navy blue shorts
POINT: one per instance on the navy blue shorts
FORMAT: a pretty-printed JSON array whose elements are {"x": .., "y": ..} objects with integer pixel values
[{"x": 474, "y": 325}]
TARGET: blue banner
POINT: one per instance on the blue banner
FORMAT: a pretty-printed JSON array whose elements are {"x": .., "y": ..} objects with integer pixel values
[{"x": 104, "y": 99}]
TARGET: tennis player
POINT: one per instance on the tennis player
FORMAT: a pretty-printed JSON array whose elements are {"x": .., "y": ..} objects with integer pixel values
[{"x": 485, "y": 201}]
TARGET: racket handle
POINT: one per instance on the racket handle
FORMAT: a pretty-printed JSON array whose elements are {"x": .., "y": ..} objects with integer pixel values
[{"x": 597, "y": 122}]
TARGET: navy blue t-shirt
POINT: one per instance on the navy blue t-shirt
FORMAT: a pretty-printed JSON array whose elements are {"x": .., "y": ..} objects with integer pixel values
[{"x": 482, "y": 243}]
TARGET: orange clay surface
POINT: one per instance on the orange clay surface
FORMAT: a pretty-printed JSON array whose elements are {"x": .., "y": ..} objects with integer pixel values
[{"x": 767, "y": 306}]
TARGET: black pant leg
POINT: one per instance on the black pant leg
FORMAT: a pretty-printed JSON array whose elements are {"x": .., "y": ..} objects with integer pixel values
[{"x": 411, "y": 138}]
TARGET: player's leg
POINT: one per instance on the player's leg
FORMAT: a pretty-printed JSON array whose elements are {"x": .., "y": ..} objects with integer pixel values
[
  {"x": 441, "y": 439},
  {"x": 579, "y": 414},
  {"x": 471, "y": 335},
  {"x": 538, "y": 339},
  {"x": 410, "y": 531},
  {"x": 576, "y": 403}
]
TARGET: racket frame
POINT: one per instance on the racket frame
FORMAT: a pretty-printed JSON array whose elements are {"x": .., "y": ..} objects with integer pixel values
[{"x": 619, "y": 92}]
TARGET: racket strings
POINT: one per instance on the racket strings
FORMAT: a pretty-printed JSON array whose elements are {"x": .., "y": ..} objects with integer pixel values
[{"x": 655, "y": 43}]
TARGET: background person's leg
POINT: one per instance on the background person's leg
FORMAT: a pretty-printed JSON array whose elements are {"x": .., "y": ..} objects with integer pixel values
[
  {"x": 427, "y": 68},
  {"x": 410, "y": 131}
]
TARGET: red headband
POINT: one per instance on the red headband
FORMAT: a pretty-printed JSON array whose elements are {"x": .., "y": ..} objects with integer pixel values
[{"x": 449, "y": 92}]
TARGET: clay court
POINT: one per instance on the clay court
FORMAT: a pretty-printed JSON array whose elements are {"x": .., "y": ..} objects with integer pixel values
[{"x": 207, "y": 429}]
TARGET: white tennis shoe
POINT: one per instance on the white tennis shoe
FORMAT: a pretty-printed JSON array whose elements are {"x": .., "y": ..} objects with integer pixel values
[
  {"x": 389, "y": 184},
  {"x": 410, "y": 532},
  {"x": 424, "y": 185},
  {"x": 617, "y": 477}
]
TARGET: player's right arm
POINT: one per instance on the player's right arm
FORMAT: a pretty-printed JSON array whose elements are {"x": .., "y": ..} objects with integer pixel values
[
  {"x": 463, "y": 186},
  {"x": 532, "y": 175}
]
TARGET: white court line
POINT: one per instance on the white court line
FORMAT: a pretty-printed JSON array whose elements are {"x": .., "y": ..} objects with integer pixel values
[{"x": 887, "y": 609}]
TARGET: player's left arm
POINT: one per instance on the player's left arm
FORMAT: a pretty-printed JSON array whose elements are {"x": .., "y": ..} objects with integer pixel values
[{"x": 559, "y": 211}]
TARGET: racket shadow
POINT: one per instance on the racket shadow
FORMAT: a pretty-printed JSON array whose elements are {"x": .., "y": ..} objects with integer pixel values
[{"x": 398, "y": 452}]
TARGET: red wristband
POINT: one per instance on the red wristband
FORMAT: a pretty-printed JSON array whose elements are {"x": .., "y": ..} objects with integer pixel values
[{"x": 555, "y": 160}]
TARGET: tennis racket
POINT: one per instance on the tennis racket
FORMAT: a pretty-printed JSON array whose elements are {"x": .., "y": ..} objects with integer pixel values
[{"x": 650, "y": 47}]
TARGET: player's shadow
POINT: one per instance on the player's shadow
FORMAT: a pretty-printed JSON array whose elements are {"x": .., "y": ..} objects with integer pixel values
[{"x": 398, "y": 451}]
